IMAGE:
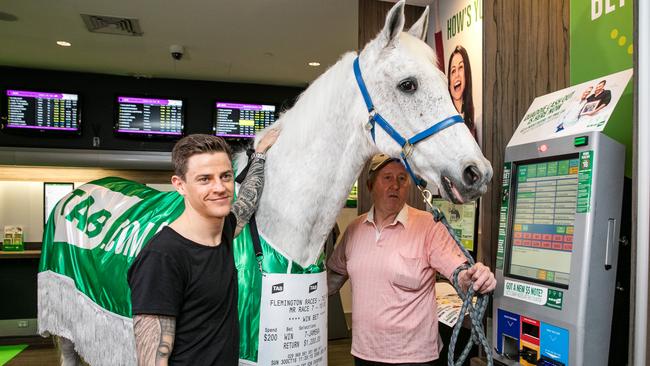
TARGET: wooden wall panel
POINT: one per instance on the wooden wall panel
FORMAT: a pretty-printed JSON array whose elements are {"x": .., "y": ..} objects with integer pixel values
[
  {"x": 525, "y": 54},
  {"x": 372, "y": 14}
]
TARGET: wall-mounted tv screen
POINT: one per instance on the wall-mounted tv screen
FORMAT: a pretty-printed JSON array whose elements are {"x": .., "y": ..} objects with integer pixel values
[
  {"x": 38, "y": 110},
  {"x": 149, "y": 116},
  {"x": 242, "y": 120}
]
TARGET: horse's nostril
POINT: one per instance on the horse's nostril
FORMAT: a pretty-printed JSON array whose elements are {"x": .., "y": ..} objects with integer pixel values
[{"x": 471, "y": 175}]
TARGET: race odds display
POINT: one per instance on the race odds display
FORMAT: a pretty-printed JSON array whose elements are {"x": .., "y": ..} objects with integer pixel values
[
  {"x": 149, "y": 116},
  {"x": 242, "y": 120},
  {"x": 546, "y": 198},
  {"x": 42, "y": 110}
]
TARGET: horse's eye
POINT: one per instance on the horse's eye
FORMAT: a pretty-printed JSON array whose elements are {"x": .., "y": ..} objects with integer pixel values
[{"x": 409, "y": 85}]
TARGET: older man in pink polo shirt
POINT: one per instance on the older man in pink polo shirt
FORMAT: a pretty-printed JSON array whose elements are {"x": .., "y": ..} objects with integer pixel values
[{"x": 391, "y": 256}]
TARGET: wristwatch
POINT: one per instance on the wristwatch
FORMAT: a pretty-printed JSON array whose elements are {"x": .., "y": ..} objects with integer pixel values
[{"x": 258, "y": 155}]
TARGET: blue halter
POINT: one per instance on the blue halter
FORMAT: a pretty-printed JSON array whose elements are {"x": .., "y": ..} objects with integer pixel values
[{"x": 406, "y": 145}]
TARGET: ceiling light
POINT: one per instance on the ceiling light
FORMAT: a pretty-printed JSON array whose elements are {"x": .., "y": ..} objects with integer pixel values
[
  {"x": 64, "y": 43},
  {"x": 314, "y": 64}
]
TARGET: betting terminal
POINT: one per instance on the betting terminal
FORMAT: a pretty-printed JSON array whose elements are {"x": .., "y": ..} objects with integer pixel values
[{"x": 557, "y": 251}]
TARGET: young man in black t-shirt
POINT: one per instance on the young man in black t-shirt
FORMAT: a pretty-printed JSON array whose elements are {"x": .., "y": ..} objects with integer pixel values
[
  {"x": 600, "y": 95},
  {"x": 184, "y": 282}
]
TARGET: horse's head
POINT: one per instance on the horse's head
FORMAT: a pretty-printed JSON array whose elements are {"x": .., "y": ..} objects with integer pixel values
[{"x": 410, "y": 92}]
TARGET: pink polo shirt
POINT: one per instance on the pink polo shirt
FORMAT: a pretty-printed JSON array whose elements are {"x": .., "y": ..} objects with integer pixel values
[{"x": 392, "y": 274}]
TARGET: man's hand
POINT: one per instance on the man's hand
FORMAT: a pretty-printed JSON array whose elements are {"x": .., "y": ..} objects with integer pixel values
[
  {"x": 267, "y": 140},
  {"x": 482, "y": 277}
]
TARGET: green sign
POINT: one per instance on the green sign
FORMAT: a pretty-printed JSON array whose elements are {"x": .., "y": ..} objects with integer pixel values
[
  {"x": 503, "y": 218},
  {"x": 584, "y": 182},
  {"x": 601, "y": 35},
  {"x": 554, "y": 299},
  {"x": 533, "y": 294}
]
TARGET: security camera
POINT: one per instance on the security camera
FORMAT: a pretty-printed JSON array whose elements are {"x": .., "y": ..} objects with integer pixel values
[{"x": 176, "y": 51}]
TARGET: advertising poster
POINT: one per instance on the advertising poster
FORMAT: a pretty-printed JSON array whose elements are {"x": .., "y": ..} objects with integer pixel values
[
  {"x": 13, "y": 238},
  {"x": 601, "y": 36},
  {"x": 293, "y": 320},
  {"x": 457, "y": 26},
  {"x": 461, "y": 218},
  {"x": 580, "y": 108},
  {"x": 52, "y": 193}
]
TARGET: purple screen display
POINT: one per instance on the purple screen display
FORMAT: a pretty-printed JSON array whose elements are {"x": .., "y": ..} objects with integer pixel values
[
  {"x": 42, "y": 110},
  {"x": 150, "y": 116},
  {"x": 242, "y": 120}
]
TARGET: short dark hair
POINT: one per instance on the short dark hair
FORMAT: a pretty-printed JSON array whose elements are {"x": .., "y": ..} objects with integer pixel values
[{"x": 195, "y": 144}]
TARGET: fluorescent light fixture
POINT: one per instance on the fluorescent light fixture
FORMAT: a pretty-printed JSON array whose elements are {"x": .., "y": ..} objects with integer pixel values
[
  {"x": 64, "y": 43},
  {"x": 314, "y": 64}
]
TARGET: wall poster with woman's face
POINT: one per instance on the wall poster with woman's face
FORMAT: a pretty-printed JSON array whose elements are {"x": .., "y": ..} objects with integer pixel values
[{"x": 456, "y": 33}]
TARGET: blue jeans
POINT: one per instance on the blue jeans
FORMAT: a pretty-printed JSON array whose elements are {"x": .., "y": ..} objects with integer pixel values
[{"x": 360, "y": 362}]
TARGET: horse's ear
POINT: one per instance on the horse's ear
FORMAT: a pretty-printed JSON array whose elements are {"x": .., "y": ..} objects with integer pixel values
[
  {"x": 394, "y": 23},
  {"x": 419, "y": 29}
]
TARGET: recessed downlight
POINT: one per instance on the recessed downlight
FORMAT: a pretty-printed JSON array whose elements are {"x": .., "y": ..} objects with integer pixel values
[
  {"x": 64, "y": 43},
  {"x": 314, "y": 63}
]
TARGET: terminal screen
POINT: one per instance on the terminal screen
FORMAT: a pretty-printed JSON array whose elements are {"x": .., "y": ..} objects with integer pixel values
[
  {"x": 543, "y": 222},
  {"x": 149, "y": 116},
  {"x": 42, "y": 110},
  {"x": 242, "y": 120}
]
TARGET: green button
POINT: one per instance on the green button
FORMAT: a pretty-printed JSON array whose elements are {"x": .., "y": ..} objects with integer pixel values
[{"x": 581, "y": 141}]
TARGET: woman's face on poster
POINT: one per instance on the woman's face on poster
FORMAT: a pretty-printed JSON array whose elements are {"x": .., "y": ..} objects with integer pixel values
[{"x": 457, "y": 77}]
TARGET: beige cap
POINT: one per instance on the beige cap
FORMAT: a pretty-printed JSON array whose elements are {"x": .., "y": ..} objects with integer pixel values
[{"x": 379, "y": 161}]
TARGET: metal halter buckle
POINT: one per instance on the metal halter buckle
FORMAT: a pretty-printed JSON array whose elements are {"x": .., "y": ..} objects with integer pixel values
[
  {"x": 371, "y": 117},
  {"x": 427, "y": 196},
  {"x": 407, "y": 149}
]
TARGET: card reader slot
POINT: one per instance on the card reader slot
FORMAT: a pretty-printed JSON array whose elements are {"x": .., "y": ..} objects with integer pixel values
[
  {"x": 510, "y": 347},
  {"x": 545, "y": 361},
  {"x": 528, "y": 354},
  {"x": 530, "y": 330}
]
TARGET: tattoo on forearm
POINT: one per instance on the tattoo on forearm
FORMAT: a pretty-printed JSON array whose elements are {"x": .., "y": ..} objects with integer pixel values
[
  {"x": 154, "y": 338},
  {"x": 249, "y": 193},
  {"x": 167, "y": 332}
]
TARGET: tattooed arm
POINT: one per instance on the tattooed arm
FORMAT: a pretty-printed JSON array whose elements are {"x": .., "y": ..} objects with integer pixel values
[
  {"x": 154, "y": 339},
  {"x": 251, "y": 188}
]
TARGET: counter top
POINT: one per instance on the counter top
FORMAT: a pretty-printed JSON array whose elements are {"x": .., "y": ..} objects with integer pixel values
[{"x": 20, "y": 254}]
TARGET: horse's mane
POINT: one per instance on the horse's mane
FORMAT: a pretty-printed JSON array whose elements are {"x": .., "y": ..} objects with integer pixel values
[{"x": 239, "y": 149}]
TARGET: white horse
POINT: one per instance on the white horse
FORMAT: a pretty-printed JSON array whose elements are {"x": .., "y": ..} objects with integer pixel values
[{"x": 326, "y": 140}]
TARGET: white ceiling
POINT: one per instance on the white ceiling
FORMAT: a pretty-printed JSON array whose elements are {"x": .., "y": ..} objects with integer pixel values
[{"x": 253, "y": 41}]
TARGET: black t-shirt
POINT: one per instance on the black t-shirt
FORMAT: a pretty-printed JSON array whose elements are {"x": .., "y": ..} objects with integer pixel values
[
  {"x": 196, "y": 284},
  {"x": 603, "y": 98}
]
